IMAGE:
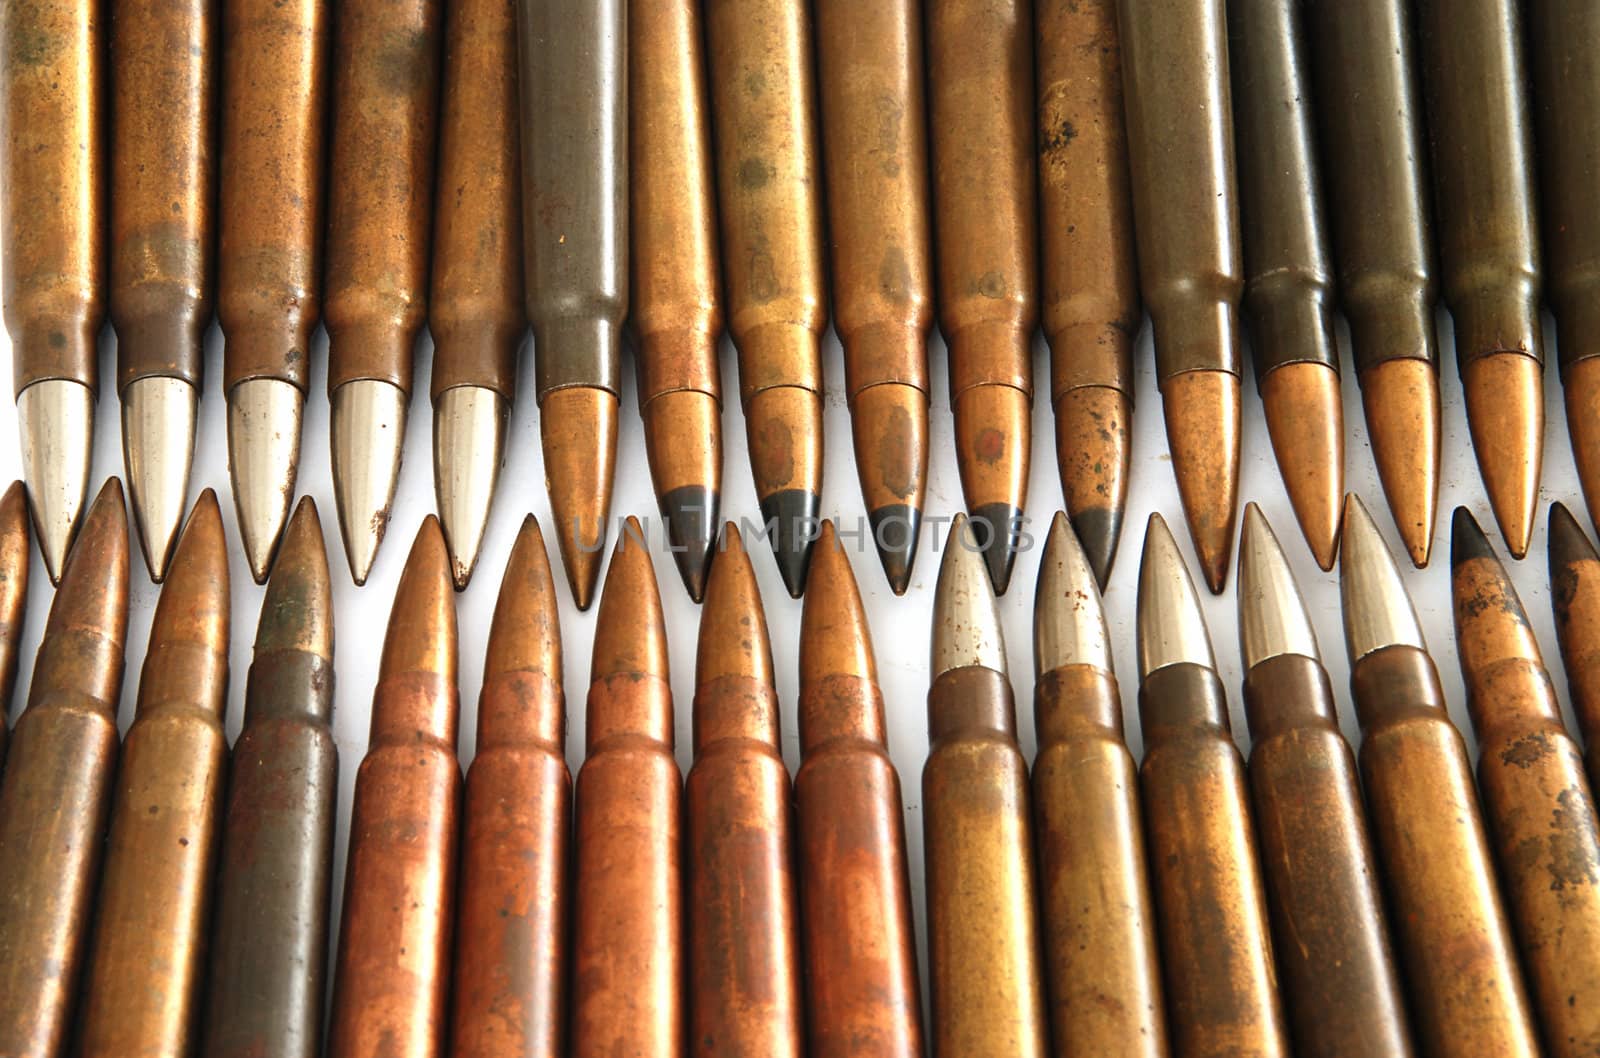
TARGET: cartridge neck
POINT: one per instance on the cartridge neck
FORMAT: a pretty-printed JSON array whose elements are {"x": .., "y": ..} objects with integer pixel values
[
  {"x": 522, "y": 708},
  {"x": 1288, "y": 692},
  {"x": 1393, "y": 683},
  {"x": 629, "y": 704},
  {"x": 737, "y": 708},
  {"x": 971, "y": 702},
  {"x": 415, "y": 706},
  {"x": 1511, "y": 697},
  {"x": 1180, "y": 700},
  {"x": 1074, "y": 701},
  {"x": 840, "y": 707},
  {"x": 183, "y": 675},
  {"x": 289, "y": 685},
  {"x": 81, "y": 661}
]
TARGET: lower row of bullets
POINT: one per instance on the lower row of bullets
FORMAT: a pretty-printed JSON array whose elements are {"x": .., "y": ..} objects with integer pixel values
[{"x": 156, "y": 899}]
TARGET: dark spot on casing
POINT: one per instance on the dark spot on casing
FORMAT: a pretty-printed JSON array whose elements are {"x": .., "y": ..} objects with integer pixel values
[{"x": 1528, "y": 750}]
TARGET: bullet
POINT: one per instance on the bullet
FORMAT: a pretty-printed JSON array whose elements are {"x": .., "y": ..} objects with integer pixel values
[
  {"x": 1565, "y": 65},
  {"x": 57, "y": 785},
  {"x": 143, "y": 991},
  {"x": 575, "y": 231},
  {"x": 983, "y": 943},
  {"x": 1089, "y": 284},
  {"x": 1185, "y": 210},
  {"x": 475, "y": 305},
  {"x": 14, "y": 560},
  {"x": 269, "y": 249},
  {"x": 862, "y": 995},
  {"x": 1574, "y": 580},
  {"x": 1540, "y": 808},
  {"x": 52, "y": 223},
  {"x": 163, "y": 177},
  {"x": 391, "y": 980},
  {"x": 1341, "y": 983},
  {"x": 1481, "y": 128},
  {"x": 675, "y": 279},
  {"x": 743, "y": 928},
  {"x": 1288, "y": 291},
  {"x": 380, "y": 205},
  {"x": 511, "y": 929},
  {"x": 1221, "y": 977},
  {"x": 1103, "y": 972},
  {"x": 628, "y": 908},
  {"x": 1466, "y": 991},
  {"x": 981, "y": 106},
  {"x": 768, "y": 190},
  {"x": 874, "y": 119},
  {"x": 1370, "y": 122},
  {"x": 269, "y": 940}
]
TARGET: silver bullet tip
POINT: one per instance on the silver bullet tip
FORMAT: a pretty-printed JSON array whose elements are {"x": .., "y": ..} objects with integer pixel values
[
  {"x": 1272, "y": 614},
  {"x": 469, "y": 429},
  {"x": 966, "y": 618},
  {"x": 158, "y": 417},
  {"x": 368, "y": 425},
  {"x": 1069, "y": 624},
  {"x": 1171, "y": 628},
  {"x": 56, "y": 417},
  {"x": 264, "y": 416},
  {"x": 1377, "y": 610}
]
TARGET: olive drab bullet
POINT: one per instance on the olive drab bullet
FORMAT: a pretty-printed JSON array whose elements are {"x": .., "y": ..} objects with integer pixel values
[
  {"x": 269, "y": 939},
  {"x": 1564, "y": 61},
  {"x": 1451, "y": 929},
  {"x": 1097, "y": 916},
  {"x": 392, "y": 974},
  {"x": 142, "y": 995},
  {"x": 874, "y": 119},
  {"x": 983, "y": 955},
  {"x": 1288, "y": 291},
  {"x": 475, "y": 311},
  {"x": 1376, "y": 172},
  {"x": 742, "y": 914},
  {"x": 1481, "y": 127},
  {"x": 769, "y": 185},
  {"x": 57, "y": 785},
  {"x": 855, "y": 892},
  {"x": 269, "y": 248},
  {"x": 1539, "y": 806},
  {"x": 1341, "y": 982},
  {"x": 510, "y": 992},
  {"x": 675, "y": 281},
  {"x": 574, "y": 87},
  {"x": 163, "y": 186},
  {"x": 1185, "y": 210},
  {"x": 14, "y": 557},
  {"x": 1089, "y": 283},
  {"x": 981, "y": 110},
  {"x": 1216, "y": 945},
  {"x": 628, "y": 907},
  {"x": 52, "y": 228},
  {"x": 1575, "y": 596},
  {"x": 380, "y": 210}
]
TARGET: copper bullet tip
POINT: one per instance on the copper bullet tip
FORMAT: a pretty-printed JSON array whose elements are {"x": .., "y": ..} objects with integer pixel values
[
  {"x": 297, "y": 612},
  {"x": 966, "y": 616},
  {"x": 1202, "y": 414},
  {"x": 793, "y": 515},
  {"x": 1401, "y": 401},
  {"x": 1273, "y": 619},
  {"x": 1171, "y": 628},
  {"x": 422, "y": 623},
  {"x": 525, "y": 635},
  {"x": 1305, "y": 420},
  {"x": 630, "y": 633},
  {"x": 733, "y": 626},
  {"x": 1505, "y": 414},
  {"x": 1491, "y": 624},
  {"x": 104, "y": 536},
  {"x": 578, "y": 426},
  {"x": 834, "y": 638},
  {"x": 194, "y": 607},
  {"x": 1092, "y": 451},
  {"x": 1069, "y": 624},
  {"x": 895, "y": 530},
  {"x": 1568, "y": 542},
  {"x": 691, "y": 516},
  {"x": 1377, "y": 610}
]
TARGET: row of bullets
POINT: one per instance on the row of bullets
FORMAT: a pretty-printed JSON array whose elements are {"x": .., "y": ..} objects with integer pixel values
[
  {"x": 1191, "y": 904},
  {"x": 575, "y": 164}
]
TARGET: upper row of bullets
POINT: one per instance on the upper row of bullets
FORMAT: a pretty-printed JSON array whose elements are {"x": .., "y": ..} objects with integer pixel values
[
  {"x": 1055, "y": 132},
  {"x": 1187, "y": 905}
]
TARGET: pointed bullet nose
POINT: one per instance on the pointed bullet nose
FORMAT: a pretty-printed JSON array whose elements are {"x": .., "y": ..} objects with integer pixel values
[
  {"x": 1504, "y": 394},
  {"x": 1069, "y": 625},
  {"x": 834, "y": 639},
  {"x": 158, "y": 416},
  {"x": 1568, "y": 542},
  {"x": 578, "y": 433},
  {"x": 966, "y": 617},
  {"x": 1273, "y": 619},
  {"x": 630, "y": 633},
  {"x": 525, "y": 635},
  {"x": 691, "y": 514},
  {"x": 368, "y": 426},
  {"x": 996, "y": 525},
  {"x": 1377, "y": 609},
  {"x": 1098, "y": 531},
  {"x": 422, "y": 623},
  {"x": 1467, "y": 541},
  {"x": 1305, "y": 420},
  {"x": 194, "y": 604},
  {"x": 469, "y": 429},
  {"x": 793, "y": 515},
  {"x": 56, "y": 417},
  {"x": 1202, "y": 413},
  {"x": 733, "y": 625},
  {"x": 92, "y": 605},
  {"x": 1171, "y": 627},
  {"x": 1401, "y": 401},
  {"x": 297, "y": 611},
  {"x": 895, "y": 530},
  {"x": 264, "y": 417}
]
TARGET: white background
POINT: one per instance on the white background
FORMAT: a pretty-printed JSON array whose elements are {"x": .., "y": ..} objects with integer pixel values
[{"x": 900, "y": 625}]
